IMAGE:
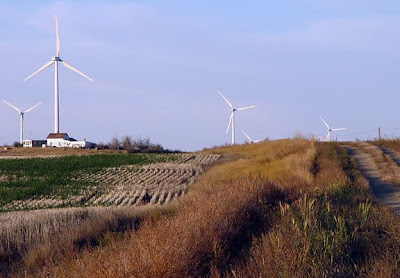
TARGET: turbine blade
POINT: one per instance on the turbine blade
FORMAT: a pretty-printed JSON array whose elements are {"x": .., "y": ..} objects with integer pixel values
[
  {"x": 75, "y": 70},
  {"x": 248, "y": 137},
  {"x": 48, "y": 64},
  {"x": 33, "y": 107},
  {"x": 324, "y": 122},
  {"x": 227, "y": 101},
  {"x": 327, "y": 137},
  {"x": 259, "y": 140},
  {"x": 337, "y": 129},
  {"x": 229, "y": 124},
  {"x": 57, "y": 38},
  {"x": 244, "y": 108},
  {"x": 19, "y": 111}
]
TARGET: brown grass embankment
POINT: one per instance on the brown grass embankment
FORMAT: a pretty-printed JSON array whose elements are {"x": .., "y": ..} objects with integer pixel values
[
  {"x": 213, "y": 224},
  {"x": 285, "y": 162},
  {"x": 336, "y": 231}
]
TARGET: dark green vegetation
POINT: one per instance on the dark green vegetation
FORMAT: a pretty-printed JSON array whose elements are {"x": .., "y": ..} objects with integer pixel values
[{"x": 21, "y": 179}]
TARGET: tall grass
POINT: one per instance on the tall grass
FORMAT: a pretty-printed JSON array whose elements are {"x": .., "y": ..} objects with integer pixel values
[
  {"x": 288, "y": 208},
  {"x": 210, "y": 231},
  {"x": 29, "y": 238},
  {"x": 335, "y": 232},
  {"x": 282, "y": 161},
  {"x": 212, "y": 225}
]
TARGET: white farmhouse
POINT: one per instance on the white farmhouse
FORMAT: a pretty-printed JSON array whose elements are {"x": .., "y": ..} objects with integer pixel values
[{"x": 62, "y": 140}]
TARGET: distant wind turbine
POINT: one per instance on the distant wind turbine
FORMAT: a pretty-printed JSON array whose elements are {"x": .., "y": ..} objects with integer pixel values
[
  {"x": 21, "y": 114},
  {"x": 55, "y": 60},
  {"x": 232, "y": 117},
  {"x": 253, "y": 141},
  {"x": 328, "y": 135}
]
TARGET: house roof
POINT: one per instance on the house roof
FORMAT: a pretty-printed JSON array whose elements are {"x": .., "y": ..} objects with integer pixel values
[{"x": 57, "y": 136}]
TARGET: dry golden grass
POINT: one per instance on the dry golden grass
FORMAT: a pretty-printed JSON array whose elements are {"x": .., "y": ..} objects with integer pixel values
[
  {"x": 338, "y": 232},
  {"x": 212, "y": 225},
  {"x": 393, "y": 144},
  {"x": 280, "y": 161},
  {"x": 210, "y": 231},
  {"x": 287, "y": 208},
  {"x": 29, "y": 238}
]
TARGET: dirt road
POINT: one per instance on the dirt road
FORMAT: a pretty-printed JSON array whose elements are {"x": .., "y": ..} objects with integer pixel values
[{"x": 383, "y": 192}]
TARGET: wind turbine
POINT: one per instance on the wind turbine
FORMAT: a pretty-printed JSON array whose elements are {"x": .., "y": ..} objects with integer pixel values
[
  {"x": 21, "y": 114},
  {"x": 253, "y": 141},
  {"x": 55, "y": 60},
  {"x": 232, "y": 117},
  {"x": 328, "y": 135}
]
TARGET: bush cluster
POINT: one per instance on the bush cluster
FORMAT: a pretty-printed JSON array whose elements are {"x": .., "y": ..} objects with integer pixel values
[{"x": 138, "y": 145}]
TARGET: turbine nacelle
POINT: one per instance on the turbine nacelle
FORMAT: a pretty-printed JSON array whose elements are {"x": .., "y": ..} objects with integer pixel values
[
  {"x": 328, "y": 135},
  {"x": 58, "y": 59}
]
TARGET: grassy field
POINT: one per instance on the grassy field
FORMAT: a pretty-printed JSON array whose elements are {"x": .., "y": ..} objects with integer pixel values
[{"x": 286, "y": 208}]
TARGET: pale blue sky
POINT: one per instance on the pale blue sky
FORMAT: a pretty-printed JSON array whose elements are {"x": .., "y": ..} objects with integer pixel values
[{"x": 157, "y": 66}]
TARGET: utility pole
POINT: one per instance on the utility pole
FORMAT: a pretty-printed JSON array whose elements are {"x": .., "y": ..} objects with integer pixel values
[{"x": 379, "y": 133}]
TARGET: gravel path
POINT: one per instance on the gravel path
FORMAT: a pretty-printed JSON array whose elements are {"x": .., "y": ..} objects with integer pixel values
[{"x": 383, "y": 192}]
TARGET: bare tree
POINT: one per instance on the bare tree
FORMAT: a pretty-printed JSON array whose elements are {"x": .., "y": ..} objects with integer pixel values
[
  {"x": 115, "y": 143},
  {"x": 127, "y": 142},
  {"x": 141, "y": 144}
]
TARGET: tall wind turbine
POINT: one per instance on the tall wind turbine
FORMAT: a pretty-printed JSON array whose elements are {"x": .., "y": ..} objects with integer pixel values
[
  {"x": 328, "y": 135},
  {"x": 232, "y": 118},
  {"x": 253, "y": 141},
  {"x": 21, "y": 114},
  {"x": 55, "y": 60}
]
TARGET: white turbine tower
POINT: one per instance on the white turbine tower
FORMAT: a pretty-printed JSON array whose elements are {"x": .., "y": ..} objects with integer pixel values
[
  {"x": 232, "y": 118},
  {"x": 253, "y": 141},
  {"x": 21, "y": 114},
  {"x": 328, "y": 135},
  {"x": 55, "y": 60}
]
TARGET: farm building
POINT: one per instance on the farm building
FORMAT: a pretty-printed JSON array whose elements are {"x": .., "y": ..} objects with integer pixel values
[
  {"x": 34, "y": 143},
  {"x": 62, "y": 140}
]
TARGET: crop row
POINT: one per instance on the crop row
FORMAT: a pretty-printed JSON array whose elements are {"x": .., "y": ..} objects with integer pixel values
[{"x": 128, "y": 185}]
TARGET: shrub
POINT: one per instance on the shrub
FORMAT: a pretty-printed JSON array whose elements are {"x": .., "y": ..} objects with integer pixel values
[{"x": 17, "y": 144}]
